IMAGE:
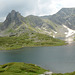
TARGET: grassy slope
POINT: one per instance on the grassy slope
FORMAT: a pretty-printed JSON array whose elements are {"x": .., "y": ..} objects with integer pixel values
[
  {"x": 28, "y": 40},
  {"x": 19, "y": 68}
]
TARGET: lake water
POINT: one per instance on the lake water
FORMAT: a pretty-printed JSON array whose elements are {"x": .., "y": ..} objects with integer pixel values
[{"x": 56, "y": 59}]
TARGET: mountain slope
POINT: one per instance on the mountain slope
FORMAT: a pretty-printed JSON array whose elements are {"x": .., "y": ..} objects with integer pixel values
[
  {"x": 66, "y": 16},
  {"x": 65, "y": 20},
  {"x": 28, "y": 40},
  {"x": 54, "y": 25},
  {"x": 14, "y": 25},
  {"x": 44, "y": 26},
  {"x": 20, "y": 68}
]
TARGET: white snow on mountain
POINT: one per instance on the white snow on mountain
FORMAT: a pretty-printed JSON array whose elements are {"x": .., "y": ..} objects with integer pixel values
[{"x": 70, "y": 31}]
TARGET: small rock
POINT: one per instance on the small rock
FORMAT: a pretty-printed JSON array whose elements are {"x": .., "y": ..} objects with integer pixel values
[
  {"x": 48, "y": 73},
  {"x": 41, "y": 74}
]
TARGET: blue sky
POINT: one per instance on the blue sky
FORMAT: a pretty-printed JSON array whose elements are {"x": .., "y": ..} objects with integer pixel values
[{"x": 33, "y": 7}]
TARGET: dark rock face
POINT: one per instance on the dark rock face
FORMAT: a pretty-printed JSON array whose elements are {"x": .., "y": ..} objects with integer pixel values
[{"x": 12, "y": 18}]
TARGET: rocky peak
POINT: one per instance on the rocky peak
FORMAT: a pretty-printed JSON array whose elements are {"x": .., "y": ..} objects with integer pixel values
[
  {"x": 13, "y": 11},
  {"x": 12, "y": 18}
]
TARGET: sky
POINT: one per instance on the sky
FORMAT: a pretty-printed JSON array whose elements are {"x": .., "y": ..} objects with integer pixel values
[{"x": 33, "y": 7}]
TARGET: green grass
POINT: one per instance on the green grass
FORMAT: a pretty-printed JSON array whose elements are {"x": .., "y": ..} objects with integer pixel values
[
  {"x": 28, "y": 40},
  {"x": 20, "y": 68}
]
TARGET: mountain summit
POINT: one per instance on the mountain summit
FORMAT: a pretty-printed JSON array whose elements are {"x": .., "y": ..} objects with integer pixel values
[{"x": 14, "y": 18}]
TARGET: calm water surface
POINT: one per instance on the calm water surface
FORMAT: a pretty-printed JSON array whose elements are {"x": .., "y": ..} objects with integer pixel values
[{"x": 57, "y": 59}]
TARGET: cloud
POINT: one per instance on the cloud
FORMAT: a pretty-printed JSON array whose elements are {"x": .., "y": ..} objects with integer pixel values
[
  {"x": 23, "y": 6},
  {"x": 33, "y": 7}
]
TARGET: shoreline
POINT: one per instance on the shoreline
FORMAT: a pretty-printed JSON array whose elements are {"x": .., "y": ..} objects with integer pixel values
[{"x": 34, "y": 47}]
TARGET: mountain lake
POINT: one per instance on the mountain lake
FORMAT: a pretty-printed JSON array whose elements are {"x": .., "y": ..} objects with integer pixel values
[{"x": 58, "y": 59}]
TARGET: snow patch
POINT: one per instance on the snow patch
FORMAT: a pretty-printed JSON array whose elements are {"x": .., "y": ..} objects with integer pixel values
[
  {"x": 70, "y": 31},
  {"x": 53, "y": 36},
  {"x": 44, "y": 31},
  {"x": 65, "y": 32},
  {"x": 55, "y": 32},
  {"x": 44, "y": 28}
]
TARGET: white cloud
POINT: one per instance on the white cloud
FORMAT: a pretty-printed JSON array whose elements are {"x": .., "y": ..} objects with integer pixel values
[{"x": 33, "y": 7}]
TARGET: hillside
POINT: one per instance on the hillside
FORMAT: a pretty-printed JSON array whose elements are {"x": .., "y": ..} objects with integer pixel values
[
  {"x": 65, "y": 16},
  {"x": 17, "y": 24},
  {"x": 28, "y": 40},
  {"x": 20, "y": 68}
]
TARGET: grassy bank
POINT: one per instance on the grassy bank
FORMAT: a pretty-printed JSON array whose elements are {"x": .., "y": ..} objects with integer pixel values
[
  {"x": 19, "y": 68},
  {"x": 28, "y": 40}
]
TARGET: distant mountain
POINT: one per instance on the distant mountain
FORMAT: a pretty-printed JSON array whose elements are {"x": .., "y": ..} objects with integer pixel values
[
  {"x": 65, "y": 16},
  {"x": 61, "y": 24}
]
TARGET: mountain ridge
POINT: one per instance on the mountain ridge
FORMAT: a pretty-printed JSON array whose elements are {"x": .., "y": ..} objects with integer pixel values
[{"x": 51, "y": 25}]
